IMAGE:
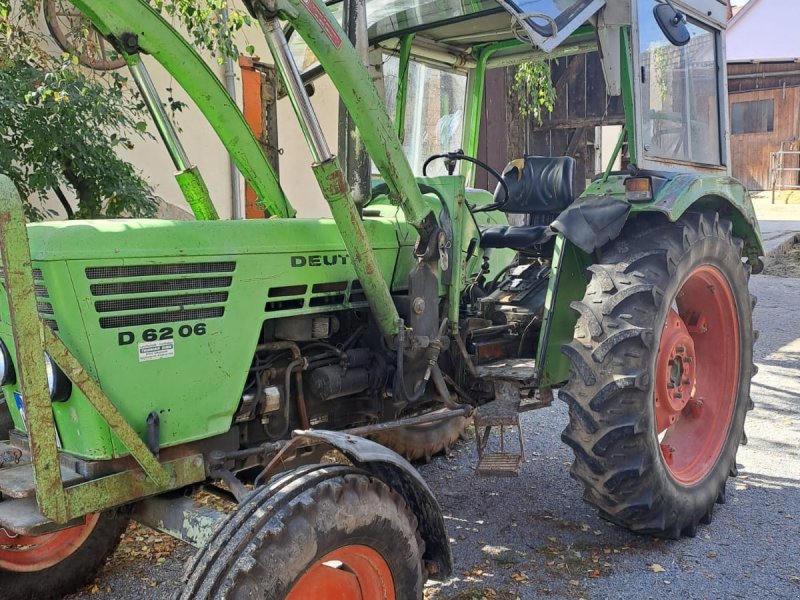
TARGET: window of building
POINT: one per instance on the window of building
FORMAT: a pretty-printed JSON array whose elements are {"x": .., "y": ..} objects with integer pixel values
[{"x": 755, "y": 116}]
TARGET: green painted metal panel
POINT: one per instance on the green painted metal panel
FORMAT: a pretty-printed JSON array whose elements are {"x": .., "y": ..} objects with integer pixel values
[
  {"x": 113, "y": 282},
  {"x": 693, "y": 191}
]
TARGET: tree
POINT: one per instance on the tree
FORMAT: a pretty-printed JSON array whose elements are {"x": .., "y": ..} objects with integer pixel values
[{"x": 63, "y": 128}]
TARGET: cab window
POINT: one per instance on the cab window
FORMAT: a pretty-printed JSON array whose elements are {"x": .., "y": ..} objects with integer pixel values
[{"x": 680, "y": 93}]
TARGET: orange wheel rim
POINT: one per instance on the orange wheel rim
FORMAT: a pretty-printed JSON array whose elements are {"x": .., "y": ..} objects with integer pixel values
[
  {"x": 697, "y": 375},
  {"x": 28, "y": 553},
  {"x": 353, "y": 572}
]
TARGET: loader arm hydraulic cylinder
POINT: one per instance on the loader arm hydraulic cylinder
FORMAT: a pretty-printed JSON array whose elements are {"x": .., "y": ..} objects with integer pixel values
[
  {"x": 155, "y": 37},
  {"x": 334, "y": 185},
  {"x": 325, "y": 38},
  {"x": 188, "y": 176}
]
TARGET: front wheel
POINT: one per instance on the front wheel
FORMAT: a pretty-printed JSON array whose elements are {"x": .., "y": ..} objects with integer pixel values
[
  {"x": 320, "y": 532},
  {"x": 660, "y": 373},
  {"x": 51, "y": 565}
]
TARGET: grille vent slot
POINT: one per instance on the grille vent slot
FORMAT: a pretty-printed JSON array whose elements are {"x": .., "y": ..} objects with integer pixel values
[
  {"x": 153, "y": 270},
  {"x": 43, "y": 304},
  {"x": 336, "y": 295},
  {"x": 146, "y": 301}
]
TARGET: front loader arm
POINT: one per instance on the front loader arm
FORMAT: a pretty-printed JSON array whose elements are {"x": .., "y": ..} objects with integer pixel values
[
  {"x": 330, "y": 44},
  {"x": 136, "y": 20}
]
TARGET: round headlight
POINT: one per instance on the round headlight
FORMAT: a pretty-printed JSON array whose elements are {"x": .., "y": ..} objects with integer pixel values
[
  {"x": 7, "y": 374},
  {"x": 59, "y": 384}
]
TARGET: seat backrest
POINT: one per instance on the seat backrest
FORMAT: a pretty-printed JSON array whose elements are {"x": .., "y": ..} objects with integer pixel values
[{"x": 537, "y": 184}]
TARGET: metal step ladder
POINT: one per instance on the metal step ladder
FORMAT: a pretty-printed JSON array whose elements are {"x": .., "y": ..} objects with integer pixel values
[{"x": 508, "y": 377}]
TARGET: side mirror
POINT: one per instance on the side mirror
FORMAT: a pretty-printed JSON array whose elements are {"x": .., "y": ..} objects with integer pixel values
[{"x": 672, "y": 23}]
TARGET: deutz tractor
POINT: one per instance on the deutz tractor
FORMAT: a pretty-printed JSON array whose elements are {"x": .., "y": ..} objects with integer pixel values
[{"x": 145, "y": 359}]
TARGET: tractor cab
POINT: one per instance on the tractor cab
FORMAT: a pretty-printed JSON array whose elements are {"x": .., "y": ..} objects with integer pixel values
[{"x": 661, "y": 76}]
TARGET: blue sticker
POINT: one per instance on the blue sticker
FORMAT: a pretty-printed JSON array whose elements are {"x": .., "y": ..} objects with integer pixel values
[{"x": 21, "y": 408}]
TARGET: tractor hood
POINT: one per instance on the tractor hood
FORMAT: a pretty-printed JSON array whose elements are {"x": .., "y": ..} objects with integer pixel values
[{"x": 148, "y": 238}]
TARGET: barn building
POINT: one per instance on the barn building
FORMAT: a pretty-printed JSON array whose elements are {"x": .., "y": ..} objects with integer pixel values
[{"x": 763, "y": 56}]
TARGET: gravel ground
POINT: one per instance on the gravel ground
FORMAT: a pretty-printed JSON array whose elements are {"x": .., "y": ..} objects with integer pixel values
[{"x": 533, "y": 537}]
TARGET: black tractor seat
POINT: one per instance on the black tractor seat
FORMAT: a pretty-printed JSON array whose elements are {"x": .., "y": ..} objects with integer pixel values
[{"x": 540, "y": 187}]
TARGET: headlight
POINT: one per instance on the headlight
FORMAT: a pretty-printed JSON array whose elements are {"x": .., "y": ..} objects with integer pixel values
[
  {"x": 59, "y": 384},
  {"x": 7, "y": 374}
]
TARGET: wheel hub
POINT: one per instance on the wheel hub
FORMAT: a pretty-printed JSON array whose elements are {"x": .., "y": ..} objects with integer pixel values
[
  {"x": 697, "y": 375},
  {"x": 353, "y": 572},
  {"x": 676, "y": 371}
]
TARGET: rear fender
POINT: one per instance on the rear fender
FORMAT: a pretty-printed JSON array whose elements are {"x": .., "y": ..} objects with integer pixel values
[
  {"x": 600, "y": 214},
  {"x": 398, "y": 474},
  {"x": 723, "y": 194}
]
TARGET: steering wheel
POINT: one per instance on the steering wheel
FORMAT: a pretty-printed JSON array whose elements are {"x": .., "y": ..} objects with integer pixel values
[{"x": 451, "y": 158}]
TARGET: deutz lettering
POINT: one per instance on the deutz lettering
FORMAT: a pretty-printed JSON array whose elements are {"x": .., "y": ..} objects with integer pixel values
[{"x": 319, "y": 260}]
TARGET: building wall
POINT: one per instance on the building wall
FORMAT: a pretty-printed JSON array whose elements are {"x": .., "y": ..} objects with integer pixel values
[
  {"x": 764, "y": 30},
  {"x": 780, "y": 83}
]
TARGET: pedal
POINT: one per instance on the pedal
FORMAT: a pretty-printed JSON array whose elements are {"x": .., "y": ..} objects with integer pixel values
[{"x": 503, "y": 412}]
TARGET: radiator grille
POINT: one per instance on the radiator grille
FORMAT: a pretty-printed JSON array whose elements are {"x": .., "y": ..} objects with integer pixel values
[{"x": 153, "y": 294}]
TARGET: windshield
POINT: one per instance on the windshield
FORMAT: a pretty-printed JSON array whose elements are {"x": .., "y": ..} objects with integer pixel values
[{"x": 434, "y": 111}]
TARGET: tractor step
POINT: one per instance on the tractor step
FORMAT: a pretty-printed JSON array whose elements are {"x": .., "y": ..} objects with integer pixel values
[
  {"x": 22, "y": 516},
  {"x": 497, "y": 464},
  {"x": 17, "y": 482},
  {"x": 503, "y": 412}
]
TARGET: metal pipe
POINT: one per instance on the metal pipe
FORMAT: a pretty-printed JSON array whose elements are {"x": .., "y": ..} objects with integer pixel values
[
  {"x": 302, "y": 410},
  {"x": 144, "y": 82},
  {"x": 237, "y": 208},
  {"x": 296, "y": 91},
  {"x": 418, "y": 420}
]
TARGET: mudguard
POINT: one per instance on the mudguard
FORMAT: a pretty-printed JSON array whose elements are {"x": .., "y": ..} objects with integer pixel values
[
  {"x": 398, "y": 474},
  {"x": 599, "y": 215}
]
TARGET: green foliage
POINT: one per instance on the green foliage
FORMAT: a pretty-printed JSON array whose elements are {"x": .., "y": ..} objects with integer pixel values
[
  {"x": 534, "y": 85},
  {"x": 61, "y": 126},
  {"x": 211, "y": 23},
  {"x": 660, "y": 62}
]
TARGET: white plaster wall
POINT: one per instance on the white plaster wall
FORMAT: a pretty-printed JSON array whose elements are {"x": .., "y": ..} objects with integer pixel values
[
  {"x": 207, "y": 152},
  {"x": 765, "y": 30}
]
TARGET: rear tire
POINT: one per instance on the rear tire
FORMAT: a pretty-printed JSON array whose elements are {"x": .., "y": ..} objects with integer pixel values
[
  {"x": 317, "y": 527},
  {"x": 25, "y": 574},
  {"x": 655, "y": 433}
]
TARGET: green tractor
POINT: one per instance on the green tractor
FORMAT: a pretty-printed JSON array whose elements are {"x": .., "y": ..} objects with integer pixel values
[{"x": 145, "y": 359}]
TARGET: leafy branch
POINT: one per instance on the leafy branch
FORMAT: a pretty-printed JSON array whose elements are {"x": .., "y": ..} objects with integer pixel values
[{"x": 534, "y": 84}]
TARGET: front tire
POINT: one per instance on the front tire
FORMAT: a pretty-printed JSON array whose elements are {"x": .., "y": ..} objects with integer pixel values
[
  {"x": 315, "y": 533},
  {"x": 660, "y": 373},
  {"x": 50, "y": 566}
]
